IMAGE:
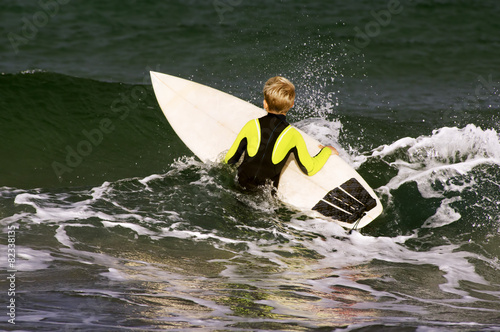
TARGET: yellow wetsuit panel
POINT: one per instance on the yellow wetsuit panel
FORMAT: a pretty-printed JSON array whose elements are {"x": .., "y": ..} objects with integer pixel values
[{"x": 251, "y": 131}]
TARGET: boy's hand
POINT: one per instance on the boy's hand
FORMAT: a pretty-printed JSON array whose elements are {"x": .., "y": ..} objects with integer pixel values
[{"x": 334, "y": 151}]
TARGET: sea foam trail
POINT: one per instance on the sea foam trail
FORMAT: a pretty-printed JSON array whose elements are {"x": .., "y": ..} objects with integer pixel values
[
  {"x": 447, "y": 152},
  {"x": 444, "y": 166},
  {"x": 346, "y": 252}
]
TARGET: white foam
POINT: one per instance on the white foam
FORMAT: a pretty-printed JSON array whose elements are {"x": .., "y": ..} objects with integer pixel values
[
  {"x": 136, "y": 228},
  {"x": 55, "y": 209},
  {"x": 326, "y": 132},
  {"x": 54, "y": 212},
  {"x": 15, "y": 218},
  {"x": 99, "y": 192},
  {"x": 27, "y": 259},
  {"x": 444, "y": 215},
  {"x": 386, "y": 150},
  {"x": 184, "y": 163},
  {"x": 342, "y": 251},
  {"x": 321, "y": 129},
  {"x": 114, "y": 275},
  {"x": 448, "y": 153},
  {"x": 440, "y": 165},
  {"x": 145, "y": 181},
  {"x": 194, "y": 235},
  {"x": 62, "y": 237},
  {"x": 26, "y": 198},
  {"x": 324, "y": 227}
]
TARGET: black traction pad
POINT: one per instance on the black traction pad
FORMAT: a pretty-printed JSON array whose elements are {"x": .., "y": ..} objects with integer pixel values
[{"x": 346, "y": 203}]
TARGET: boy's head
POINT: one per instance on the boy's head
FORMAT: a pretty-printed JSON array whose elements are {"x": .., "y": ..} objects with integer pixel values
[{"x": 279, "y": 94}]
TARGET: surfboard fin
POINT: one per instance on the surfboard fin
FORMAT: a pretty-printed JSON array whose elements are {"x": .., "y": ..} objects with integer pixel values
[{"x": 347, "y": 203}]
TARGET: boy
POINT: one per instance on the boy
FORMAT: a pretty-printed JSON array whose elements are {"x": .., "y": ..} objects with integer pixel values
[{"x": 268, "y": 141}]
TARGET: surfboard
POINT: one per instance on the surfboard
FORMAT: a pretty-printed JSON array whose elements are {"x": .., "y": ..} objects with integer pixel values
[{"x": 208, "y": 120}]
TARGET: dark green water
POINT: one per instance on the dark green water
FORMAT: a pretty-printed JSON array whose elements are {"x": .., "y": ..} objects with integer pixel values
[{"x": 117, "y": 226}]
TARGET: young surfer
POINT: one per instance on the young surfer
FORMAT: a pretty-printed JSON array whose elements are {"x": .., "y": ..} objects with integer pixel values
[{"x": 267, "y": 142}]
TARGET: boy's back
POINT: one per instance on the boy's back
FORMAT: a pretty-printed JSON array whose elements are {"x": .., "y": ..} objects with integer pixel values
[{"x": 266, "y": 143}]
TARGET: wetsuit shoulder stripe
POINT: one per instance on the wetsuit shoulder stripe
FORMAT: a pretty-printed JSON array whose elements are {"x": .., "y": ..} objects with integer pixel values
[
  {"x": 257, "y": 125},
  {"x": 279, "y": 140}
]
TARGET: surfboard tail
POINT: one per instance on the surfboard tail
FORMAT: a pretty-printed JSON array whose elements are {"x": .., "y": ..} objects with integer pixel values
[{"x": 347, "y": 203}]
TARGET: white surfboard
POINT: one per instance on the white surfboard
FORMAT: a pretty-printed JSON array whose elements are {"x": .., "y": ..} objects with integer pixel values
[{"x": 208, "y": 121}]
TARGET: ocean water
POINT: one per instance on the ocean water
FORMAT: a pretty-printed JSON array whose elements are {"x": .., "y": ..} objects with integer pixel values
[{"x": 110, "y": 223}]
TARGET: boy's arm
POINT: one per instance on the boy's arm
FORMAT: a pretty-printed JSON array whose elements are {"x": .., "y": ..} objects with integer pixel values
[
  {"x": 312, "y": 164},
  {"x": 309, "y": 165}
]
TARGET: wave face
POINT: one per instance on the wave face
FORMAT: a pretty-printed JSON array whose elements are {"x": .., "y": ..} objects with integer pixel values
[{"x": 117, "y": 225}]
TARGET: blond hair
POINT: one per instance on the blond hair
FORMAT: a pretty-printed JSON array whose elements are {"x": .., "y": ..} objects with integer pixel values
[{"x": 279, "y": 93}]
